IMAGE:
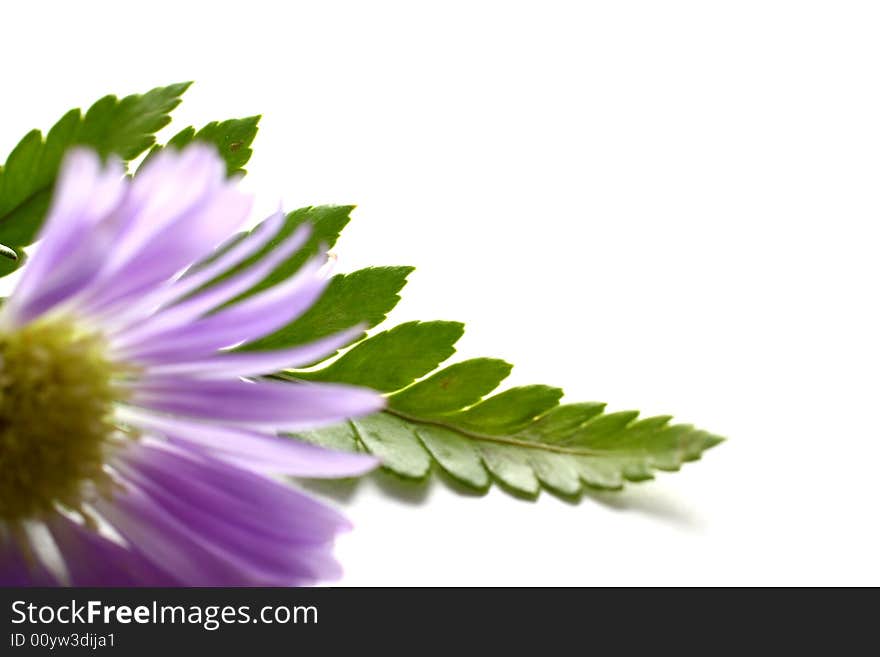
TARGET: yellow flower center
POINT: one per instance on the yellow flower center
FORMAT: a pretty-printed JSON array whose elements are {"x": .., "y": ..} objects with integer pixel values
[{"x": 56, "y": 403}]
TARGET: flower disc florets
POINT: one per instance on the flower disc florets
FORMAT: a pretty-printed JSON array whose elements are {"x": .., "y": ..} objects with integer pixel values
[{"x": 56, "y": 398}]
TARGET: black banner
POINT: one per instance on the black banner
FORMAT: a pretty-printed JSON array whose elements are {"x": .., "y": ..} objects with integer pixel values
[{"x": 394, "y": 621}]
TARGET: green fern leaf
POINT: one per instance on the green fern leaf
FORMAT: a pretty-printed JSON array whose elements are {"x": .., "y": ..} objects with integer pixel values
[
  {"x": 521, "y": 438},
  {"x": 123, "y": 127},
  {"x": 448, "y": 419},
  {"x": 232, "y": 139}
]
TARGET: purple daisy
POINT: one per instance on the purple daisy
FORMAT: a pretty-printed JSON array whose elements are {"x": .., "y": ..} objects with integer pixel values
[{"x": 135, "y": 447}]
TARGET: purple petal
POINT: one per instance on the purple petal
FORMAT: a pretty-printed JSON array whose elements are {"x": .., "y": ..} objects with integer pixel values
[
  {"x": 171, "y": 187},
  {"x": 257, "y": 451},
  {"x": 20, "y": 569},
  {"x": 93, "y": 560},
  {"x": 242, "y": 250},
  {"x": 137, "y": 308},
  {"x": 185, "y": 312},
  {"x": 167, "y": 543},
  {"x": 256, "y": 553},
  {"x": 245, "y": 321},
  {"x": 281, "y": 508},
  {"x": 176, "y": 212},
  {"x": 216, "y": 524},
  {"x": 169, "y": 253},
  {"x": 64, "y": 263},
  {"x": 283, "y": 406},
  {"x": 228, "y": 365}
]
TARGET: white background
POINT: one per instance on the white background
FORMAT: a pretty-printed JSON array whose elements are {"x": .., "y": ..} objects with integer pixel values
[{"x": 668, "y": 206}]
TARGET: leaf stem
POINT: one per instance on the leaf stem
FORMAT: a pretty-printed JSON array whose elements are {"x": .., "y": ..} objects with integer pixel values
[{"x": 503, "y": 440}]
